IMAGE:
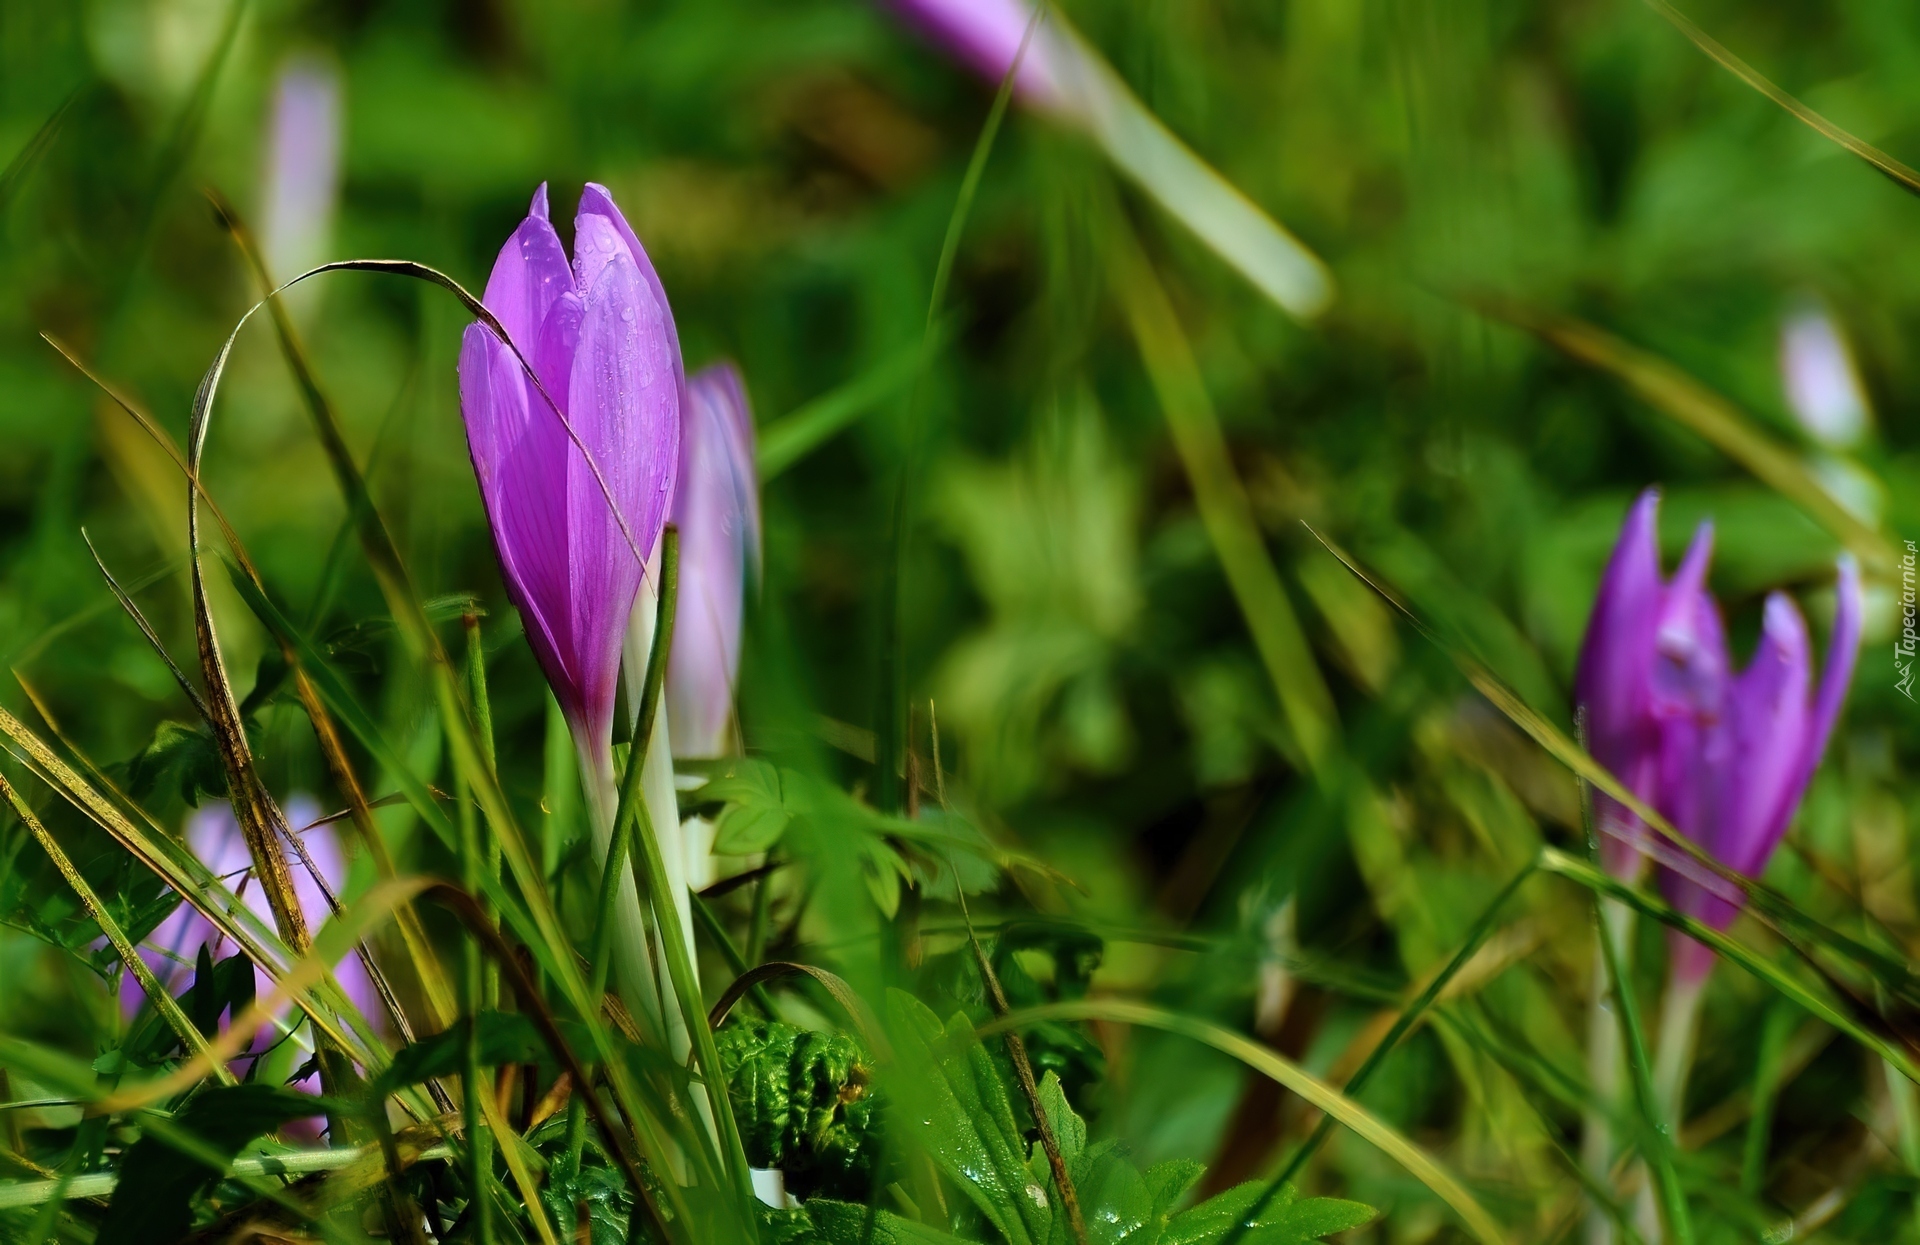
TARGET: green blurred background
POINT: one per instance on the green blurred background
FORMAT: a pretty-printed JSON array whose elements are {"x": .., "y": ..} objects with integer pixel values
[{"x": 792, "y": 166}]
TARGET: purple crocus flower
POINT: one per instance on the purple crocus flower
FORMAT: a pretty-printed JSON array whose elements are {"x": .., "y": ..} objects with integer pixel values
[
  {"x": 577, "y": 481},
  {"x": 302, "y": 173},
  {"x": 717, "y": 508},
  {"x": 213, "y": 834},
  {"x": 1724, "y": 756}
]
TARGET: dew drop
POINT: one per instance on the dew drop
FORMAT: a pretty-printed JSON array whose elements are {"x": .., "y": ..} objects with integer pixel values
[{"x": 626, "y": 315}]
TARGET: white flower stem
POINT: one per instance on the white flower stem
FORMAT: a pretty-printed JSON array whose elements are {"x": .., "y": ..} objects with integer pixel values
[
  {"x": 635, "y": 972},
  {"x": 1606, "y": 1065},
  {"x": 1672, "y": 1060}
]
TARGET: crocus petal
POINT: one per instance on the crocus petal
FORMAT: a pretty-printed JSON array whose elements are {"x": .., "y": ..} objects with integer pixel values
[
  {"x": 1690, "y": 670},
  {"x": 577, "y": 479},
  {"x": 529, "y": 274},
  {"x": 1616, "y": 661},
  {"x": 1770, "y": 720},
  {"x": 986, "y": 35},
  {"x": 625, "y": 410},
  {"x": 1842, "y": 652},
  {"x": 596, "y": 200},
  {"x": 521, "y": 464},
  {"x": 717, "y": 508}
]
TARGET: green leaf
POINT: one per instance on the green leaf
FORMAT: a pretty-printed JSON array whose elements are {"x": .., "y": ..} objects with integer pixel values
[
  {"x": 1286, "y": 1221},
  {"x": 756, "y": 814},
  {"x": 159, "y": 1178},
  {"x": 847, "y": 1223},
  {"x": 1069, "y": 1130},
  {"x": 804, "y": 1105},
  {"x": 505, "y": 1037},
  {"x": 179, "y": 755},
  {"x": 955, "y": 1105}
]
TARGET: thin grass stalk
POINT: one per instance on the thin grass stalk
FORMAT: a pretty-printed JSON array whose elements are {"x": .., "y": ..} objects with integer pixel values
[
  {"x": 650, "y": 871},
  {"x": 483, "y": 729},
  {"x": 1774, "y": 1033},
  {"x": 1225, "y": 510},
  {"x": 1023, "y": 1072},
  {"x": 613, "y": 871},
  {"x": 475, "y": 1084}
]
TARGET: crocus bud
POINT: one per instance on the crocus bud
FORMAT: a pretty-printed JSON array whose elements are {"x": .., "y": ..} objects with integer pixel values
[
  {"x": 577, "y": 480},
  {"x": 302, "y": 170},
  {"x": 717, "y": 509},
  {"x": 1724, "y": 756}
]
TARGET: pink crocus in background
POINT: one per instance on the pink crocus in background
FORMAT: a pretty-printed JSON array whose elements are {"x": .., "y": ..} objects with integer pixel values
[
  {"x": 1724, "y": 756},
  {"x": 717, "y": 509},
  {"x": 577, "y": 483},
  {"x": 1063, "y": 77},
  {"x": 300, "y": 183},
  {"x": 173, "y": 948}
]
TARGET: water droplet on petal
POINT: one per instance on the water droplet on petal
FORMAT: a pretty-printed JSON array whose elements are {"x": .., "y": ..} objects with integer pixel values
[{"x": 626, "y": 315}]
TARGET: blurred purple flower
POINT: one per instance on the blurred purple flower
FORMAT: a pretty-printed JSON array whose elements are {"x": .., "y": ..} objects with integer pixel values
[
  {"x": 1063, "y": 76},
  {"x": 1725, "y": 757},
  {"x": 717, "y": 508},
  {"x": 1816, "y": 370},
  {"x": 302, "y": 175},
  {"x": 600, "y": 336},
  {"x": 986, "y": 35},
  {"x": 214, "y": 836}
]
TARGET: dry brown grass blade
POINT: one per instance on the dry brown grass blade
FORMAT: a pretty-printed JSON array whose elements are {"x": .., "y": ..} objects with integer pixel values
[
  {"x": 1883, "y": 163},
  {"x": 1692, "y": 405}
]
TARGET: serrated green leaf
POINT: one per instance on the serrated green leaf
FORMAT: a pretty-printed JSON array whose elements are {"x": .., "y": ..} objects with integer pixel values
[
  {"x": 847, "y": 1223},
  {"x": 954, "y": 1104},
  {"x": 756, "y": 814},
  {"x": 1286, "y": 1221}
]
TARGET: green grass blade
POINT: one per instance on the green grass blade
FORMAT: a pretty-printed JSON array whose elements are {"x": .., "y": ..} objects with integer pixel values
[
  {"x": 1553, "y": 860},
  {"x": 1894, "y": 171},
  {"x": 1305, "y": 702}
]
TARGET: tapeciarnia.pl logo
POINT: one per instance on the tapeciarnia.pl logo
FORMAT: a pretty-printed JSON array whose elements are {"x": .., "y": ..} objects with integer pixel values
[{"x": 1903, "y": 648}]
